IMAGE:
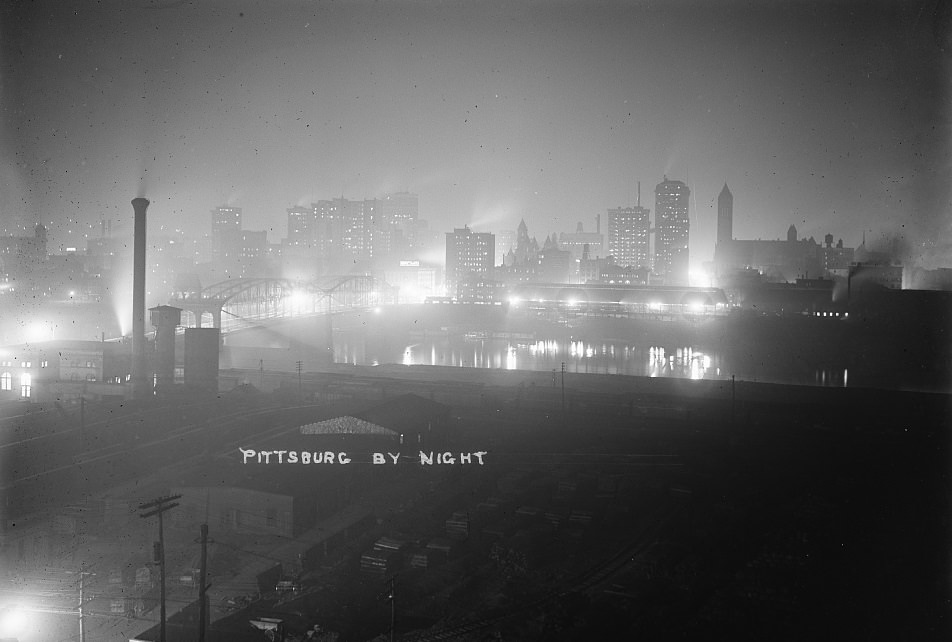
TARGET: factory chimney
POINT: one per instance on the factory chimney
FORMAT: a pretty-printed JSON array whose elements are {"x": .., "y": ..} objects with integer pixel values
[{"x": 140, "y": 365}]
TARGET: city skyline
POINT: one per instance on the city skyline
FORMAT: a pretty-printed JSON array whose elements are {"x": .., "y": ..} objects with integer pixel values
[
  {"x": 291, "y": 229},
  {"x": 400, "y": 251},
  {"x": 548, "y": 112}
]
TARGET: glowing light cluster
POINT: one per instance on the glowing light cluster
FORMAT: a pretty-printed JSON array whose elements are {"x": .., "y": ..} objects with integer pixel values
[
  {"x": 684, "y": 361},
  {"x": 14, "y": 621},
  {"x": 38, "y": 331},
  {"x": 544, "y": 347}
]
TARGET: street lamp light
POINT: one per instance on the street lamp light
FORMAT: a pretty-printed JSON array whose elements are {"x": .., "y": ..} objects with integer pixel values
[
  {"x": 16, "y": 620},
  {"x": 13, "y": 622}
]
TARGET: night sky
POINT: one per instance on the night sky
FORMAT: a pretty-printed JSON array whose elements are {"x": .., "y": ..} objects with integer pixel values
[{"x": 830, "y": 116}]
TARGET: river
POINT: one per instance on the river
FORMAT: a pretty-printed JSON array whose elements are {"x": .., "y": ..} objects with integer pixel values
[{"x": 589, "y": 357}]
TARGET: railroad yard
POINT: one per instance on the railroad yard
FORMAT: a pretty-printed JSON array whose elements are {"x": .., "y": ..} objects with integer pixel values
[{"x": 653, "y": 514}]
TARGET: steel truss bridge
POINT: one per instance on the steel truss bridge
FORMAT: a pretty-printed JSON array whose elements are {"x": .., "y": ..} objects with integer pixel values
[{"x": 243, "y": 303}]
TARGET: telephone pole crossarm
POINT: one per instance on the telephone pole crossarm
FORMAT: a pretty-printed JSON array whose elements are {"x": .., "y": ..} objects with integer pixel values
[
  {"x": 158, "y": 502},
  {"x": 158, "y": 511}
]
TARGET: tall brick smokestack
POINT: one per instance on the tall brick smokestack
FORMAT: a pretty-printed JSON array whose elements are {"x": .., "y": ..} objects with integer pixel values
[{"x": 140, "y": 363}]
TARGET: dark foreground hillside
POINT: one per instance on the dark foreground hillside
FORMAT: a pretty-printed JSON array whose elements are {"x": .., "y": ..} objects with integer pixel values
[{"x": 660, "y": 510}]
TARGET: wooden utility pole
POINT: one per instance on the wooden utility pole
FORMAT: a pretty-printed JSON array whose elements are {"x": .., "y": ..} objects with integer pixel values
[
  {"x": 393, "y": 607},
  {"x": 563, "y": 394},
  {"x": 733, "y": 401},
  {"x": 82, "y": 598},
  {"x": 82, "y": 621},
  {"x": 158, "y": 507},
  {"x": 202, "y": 597}
]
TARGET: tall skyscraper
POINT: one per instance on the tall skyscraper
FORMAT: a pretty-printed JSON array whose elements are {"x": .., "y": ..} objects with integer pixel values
[
  {"x": 628, "y": 236},
  {"x": 343, "y": 228},
  {"x": 225, "y": 218},
  {"x": 398, "y": 209},
  {"x": 393, "y": 226},
  {"x": 673, "y": 225},
  {"x": 301, "y": 225},
  {"x": 226, "y": 227},
  {"x": 505, "y": 241},
  {"x": 470, "y": 256},
  {"x": 725, "y": 215},
  {"x": 358, "y": 216},
  {"x": 329, "y": 227}
]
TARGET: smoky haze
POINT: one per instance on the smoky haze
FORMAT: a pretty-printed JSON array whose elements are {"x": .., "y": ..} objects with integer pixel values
[
  {"x": 372, "y": 241},
  {"x": 544, "y": 111}
]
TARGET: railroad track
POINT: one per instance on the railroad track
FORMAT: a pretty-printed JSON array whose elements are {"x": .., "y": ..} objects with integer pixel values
[{"x": 588, "y": 580}]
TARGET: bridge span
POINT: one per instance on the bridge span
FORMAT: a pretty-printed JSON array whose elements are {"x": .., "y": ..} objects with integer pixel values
[{"x": 242, "y": 303}]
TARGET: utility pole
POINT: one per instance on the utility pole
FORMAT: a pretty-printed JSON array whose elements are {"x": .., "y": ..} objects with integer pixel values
[
  {"x": 393, "y": 607},
  {"x": 202, "y": 587},
  {"x": 329, "y": 328},
  {"x": 300, "y": 366},
  {"x": 733, "y": 399},
  {"x": 563, "y": 392},
  {"x": 82, "y": 598},
  {"x": 82, "y": 573},
  {"x": 388, "y": 595},
  {"x": 82, "y": 622},
  {"x": 158, "y": 507}
]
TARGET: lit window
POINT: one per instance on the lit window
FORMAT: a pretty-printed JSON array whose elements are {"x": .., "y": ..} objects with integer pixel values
[
  {"x": 6, "y": 381},
  {"x": 25, "y": 385}
]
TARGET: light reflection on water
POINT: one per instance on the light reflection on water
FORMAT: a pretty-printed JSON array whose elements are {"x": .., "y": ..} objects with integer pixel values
[
  {"x": 598, "y": 357},
  {"x": 541, "y": 355}
]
